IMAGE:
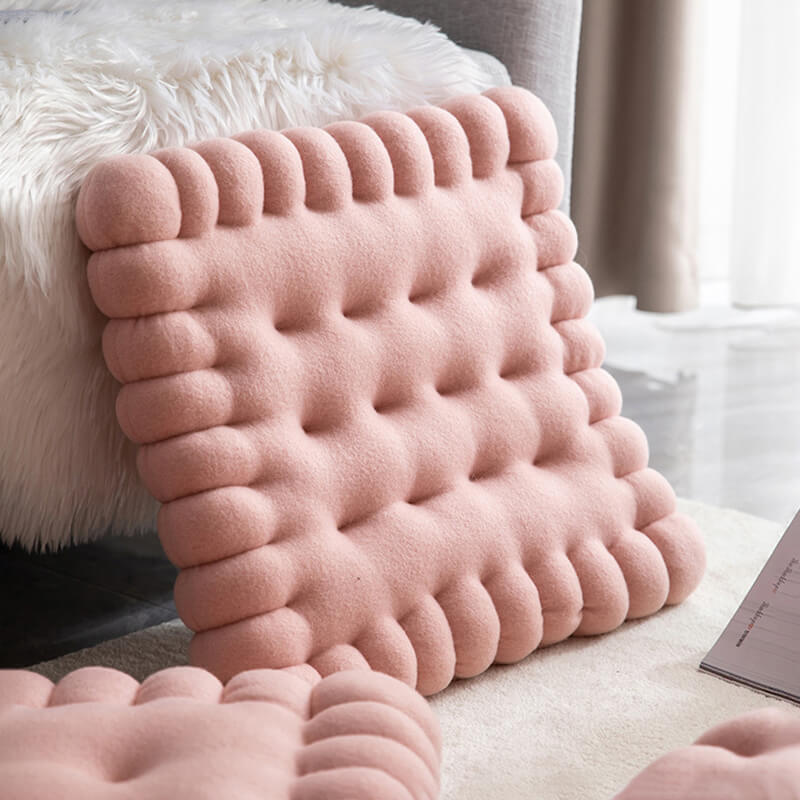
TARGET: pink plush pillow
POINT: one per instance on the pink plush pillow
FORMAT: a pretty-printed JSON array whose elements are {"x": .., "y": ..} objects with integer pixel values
[
  {"x": 753, "y": 757},
  {"x": 181, "y": 735},
  {"x": 355, "y": 360}
]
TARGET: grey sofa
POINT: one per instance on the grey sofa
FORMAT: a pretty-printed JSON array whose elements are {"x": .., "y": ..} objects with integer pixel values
[{"x": 537, "y": 41}]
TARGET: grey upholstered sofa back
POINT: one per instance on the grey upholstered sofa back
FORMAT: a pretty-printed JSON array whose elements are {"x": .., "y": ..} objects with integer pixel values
[{"x": 537, "y": 40}]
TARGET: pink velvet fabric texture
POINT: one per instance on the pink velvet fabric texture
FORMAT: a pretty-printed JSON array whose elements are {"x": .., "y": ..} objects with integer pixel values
[
  {"x": 181, "y": 735},
  {"x": 356, "y": 362},
  {"x": 753, "y": 757}
]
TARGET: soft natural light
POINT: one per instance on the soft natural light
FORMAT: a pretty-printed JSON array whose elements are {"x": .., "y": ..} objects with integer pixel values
[
  {"x": 719, "y": 68},
  {"x": 749, "y": 171}
]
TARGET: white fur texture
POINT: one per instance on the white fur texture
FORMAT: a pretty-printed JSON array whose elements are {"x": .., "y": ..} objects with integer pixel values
[{"x": 124, "y": 77}]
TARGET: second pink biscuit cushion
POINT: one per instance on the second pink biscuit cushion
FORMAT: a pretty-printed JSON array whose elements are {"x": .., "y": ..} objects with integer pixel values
[
  {"x": 181, "y": 735},
  {"x": 753, "y": 757},
  {"x": 356, "y": 362}
]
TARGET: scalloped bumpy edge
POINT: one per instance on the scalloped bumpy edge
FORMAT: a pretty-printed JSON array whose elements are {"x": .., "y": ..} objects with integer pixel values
[
  {"x": 752, "y": 757},
  {"x": 357, "y": 735},
  {"x": 185, "y": 193}
]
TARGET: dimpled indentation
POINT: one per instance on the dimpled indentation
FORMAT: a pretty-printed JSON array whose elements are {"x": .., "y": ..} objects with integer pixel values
[
  {"x": 374, "y": 411},
  {"x": 272, "y": 734},
  {"x": 755, "y": 756}
]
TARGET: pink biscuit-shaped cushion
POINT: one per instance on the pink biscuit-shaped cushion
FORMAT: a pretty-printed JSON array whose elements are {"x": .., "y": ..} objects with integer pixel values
[
  {"x": 355, "y": 360},
  {"x": 753, "y": 757},
  {"x": 181, "y": 735}
]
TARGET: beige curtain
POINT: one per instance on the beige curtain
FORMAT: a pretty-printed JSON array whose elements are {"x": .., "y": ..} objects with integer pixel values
[{"x": 634, "y": 184}]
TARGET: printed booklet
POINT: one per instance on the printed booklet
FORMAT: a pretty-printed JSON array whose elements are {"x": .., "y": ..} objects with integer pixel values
[{"x": 760, "y": 646}]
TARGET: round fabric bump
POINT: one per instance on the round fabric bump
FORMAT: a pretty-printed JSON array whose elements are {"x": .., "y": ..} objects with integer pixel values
[
  {"x": 337, "y": 658},
  {"x": 279, "y": 687},
  {"x": 583, "y": 346},
  {"x": 305, "y": 672},
  {"x": 199, "y": 197},
  {"x": 349, "y": 783},
  {"x": 474, "y": 624},
  {"x": 189, "y": 527},
  {"x": 161, "y": 344},
  {"x": 95, "y": 685},
  {"x": 447, "y": 142},
  {"x": 370, "y": 718},
  {"x": 681, "y": 545},
  {"x": 211, "y": 595},
  {"x": 485, "y": 127},
  {"x": 199, "y": 461},
  {"x": 325, "y": 168},
  {"x": 625, "y": 442},
  {"x": 387, "y": 649},
  {"x": 755, "y": 733},
  {"x": 188, "y": 682},
  {"x": 240, "y": 182},
  {"x": 605, "y": 592},
  {"x": 653, "y": 496},
  {"x": 281, "y": 168},
  {"x": 573, "y": 292},
  {"x": 555, "y": 236},
  {"x": 252, "y": 644},
  {"x": 516, "y": 601},
  {"x": 24, "y": 688},
  {"x": 429, "y": 633},
  {"x": 128, "y": 200},
  {"x": 531, "y": 128},
  {"x": 367, "y": 158},
  {"x": 172, "y": 405},
  {"x": 644, "y": 570},
  {"x": 412, "y": 163},
  {"x": 542, "y": 186},
  {"x": 602, "y": 393},
  {"x": 330, "y": 756},
  {"x": 560, "y": 596},
  {"x": 150, "y": 278},
  {"x": 355, "y": 686}
]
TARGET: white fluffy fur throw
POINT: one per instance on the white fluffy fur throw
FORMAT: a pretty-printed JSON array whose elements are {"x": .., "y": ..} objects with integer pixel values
[{"x": 122, "y": 77}]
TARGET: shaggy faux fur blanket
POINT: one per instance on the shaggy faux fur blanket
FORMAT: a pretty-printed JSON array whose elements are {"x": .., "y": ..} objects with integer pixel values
[{"x": 79, "y": 82}]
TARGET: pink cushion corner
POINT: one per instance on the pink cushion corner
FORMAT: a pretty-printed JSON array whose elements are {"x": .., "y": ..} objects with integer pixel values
[
  {"x": 181, "y": 735},
  {"x": 357, "y": 364},
  {"x": 753, "y": 757}
]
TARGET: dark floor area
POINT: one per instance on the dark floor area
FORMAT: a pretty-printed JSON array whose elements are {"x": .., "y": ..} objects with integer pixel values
[{"x": 55, "y": 603}]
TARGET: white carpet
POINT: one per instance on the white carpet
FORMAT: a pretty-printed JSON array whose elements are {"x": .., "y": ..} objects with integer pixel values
[{"x": 575, "y": 721}]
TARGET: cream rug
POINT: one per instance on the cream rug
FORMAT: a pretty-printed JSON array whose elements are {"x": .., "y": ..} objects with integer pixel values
[{"x": 575, "y": 721}]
